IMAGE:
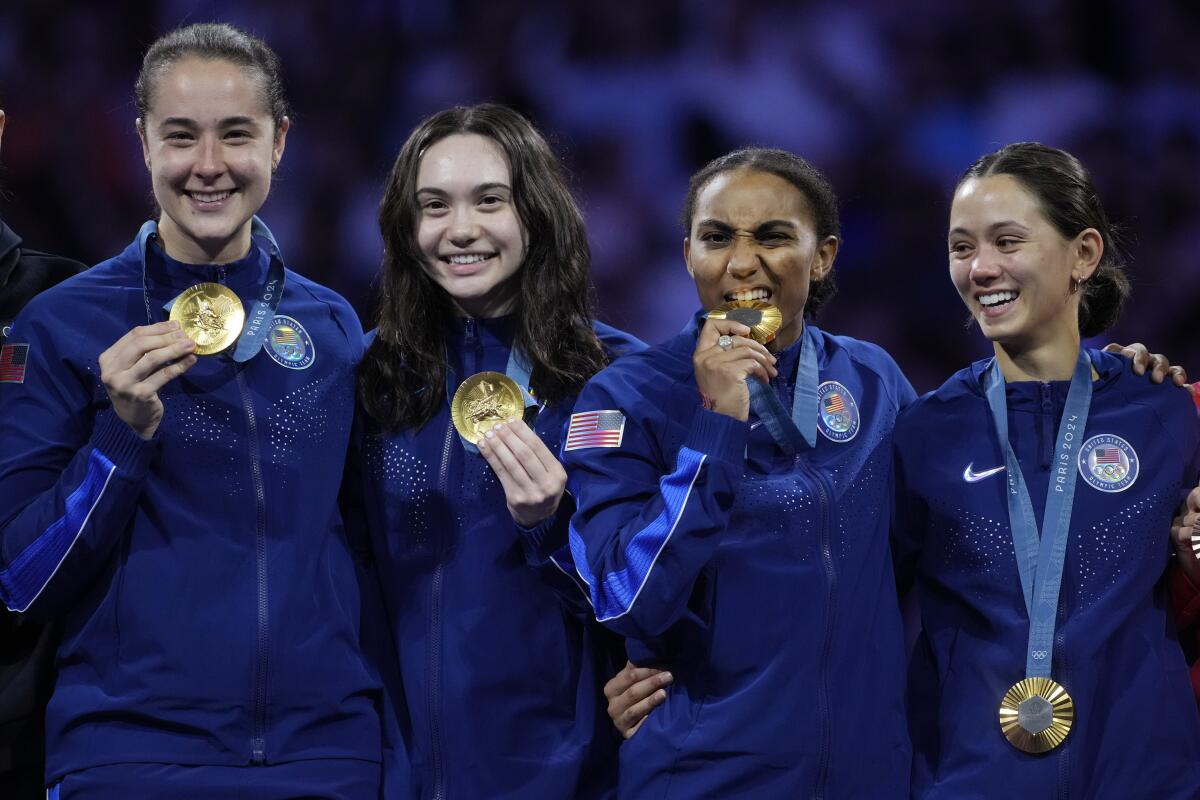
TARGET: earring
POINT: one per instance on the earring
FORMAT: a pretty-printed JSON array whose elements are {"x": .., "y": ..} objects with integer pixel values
[
  {"x": 1074, "y": 285},
  {"x": 274, "y": 165}
]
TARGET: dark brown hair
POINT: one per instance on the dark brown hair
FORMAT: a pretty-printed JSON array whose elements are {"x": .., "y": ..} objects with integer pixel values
[{"x": 403, "y": 375}]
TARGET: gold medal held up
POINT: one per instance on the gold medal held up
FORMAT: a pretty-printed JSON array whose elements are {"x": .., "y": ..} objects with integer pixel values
[
  {"x": 483, "y": 400},
  {"x": 1036, "y": 715},
  {"x": 762, "y": 318},
  {"x": 209, "y": 314}
]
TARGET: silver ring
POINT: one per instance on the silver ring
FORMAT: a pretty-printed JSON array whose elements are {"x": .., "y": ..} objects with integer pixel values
[{"x": 724, "y": 341}]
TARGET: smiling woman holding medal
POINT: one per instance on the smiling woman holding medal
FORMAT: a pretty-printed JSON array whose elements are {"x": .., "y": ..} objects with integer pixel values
[
  {"x": 172, "y": 495},
  {"x": 1035, "y": 497},
  {"x": 484, "y": 337},
  {"x": 738, "y": 528}
]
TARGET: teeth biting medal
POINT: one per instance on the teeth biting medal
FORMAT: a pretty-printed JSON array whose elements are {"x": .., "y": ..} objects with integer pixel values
[{"x": 762, "y": 318}]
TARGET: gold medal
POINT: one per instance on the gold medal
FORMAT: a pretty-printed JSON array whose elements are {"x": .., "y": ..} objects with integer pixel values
[
  {"x": 762, "y": 318},
  {"x": 1036, "y": 715},
  {"x": 483, "y": 400},
  {"x": 209, "y": 314}
]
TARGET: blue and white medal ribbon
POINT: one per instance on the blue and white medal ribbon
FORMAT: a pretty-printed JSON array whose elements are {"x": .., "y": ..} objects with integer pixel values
[
  {"x": 1036, "y": 714},
  {"x": 798, "y": 432}
]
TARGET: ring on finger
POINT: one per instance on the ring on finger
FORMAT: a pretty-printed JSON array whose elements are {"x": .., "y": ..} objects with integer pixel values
[{"x": 725, "y": 341}]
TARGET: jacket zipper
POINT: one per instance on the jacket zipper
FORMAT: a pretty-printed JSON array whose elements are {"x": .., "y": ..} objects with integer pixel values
[
  {"x": 258, "y": 741},
  {"x": 824, "y": 732},
  {"x": 434, "y": 682}
]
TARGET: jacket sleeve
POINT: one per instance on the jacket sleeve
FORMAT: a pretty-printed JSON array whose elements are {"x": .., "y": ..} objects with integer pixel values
[
  {"x": 71, "y": 474},
  {"x": 547, "y": 551},
  {"x": 648, "y": 521}
]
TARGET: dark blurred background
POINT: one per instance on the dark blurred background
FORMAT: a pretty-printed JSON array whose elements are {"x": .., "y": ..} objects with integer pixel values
[{"x": 891, "y": 99}]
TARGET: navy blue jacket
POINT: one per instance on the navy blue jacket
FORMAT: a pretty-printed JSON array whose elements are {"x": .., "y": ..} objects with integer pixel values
[
  {"x": 1136, "y": 732},
  {"x": 207, "y": 592},
  {"x": 763, "y": 581},
  {"x": 503, "y": 681}
]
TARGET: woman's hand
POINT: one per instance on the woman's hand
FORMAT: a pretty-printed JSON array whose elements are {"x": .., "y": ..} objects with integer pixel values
[
  {"x": 138, "y": 365},
  {"x": 725, "y": 357},
  {"x": 1158, "y": 364},
  {"x": 633, "y": 693},
  {"x": 1185, "y": 524},
  {"x": 532, "y": 478}
]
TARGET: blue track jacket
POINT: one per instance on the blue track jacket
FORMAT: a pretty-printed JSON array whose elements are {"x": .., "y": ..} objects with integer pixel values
[
  {"x": 763, "y": 581},
  {"x": 502, "y": 680},
  {"x": 208, "y": 595},
  {"x": 1136, "y": 733}
]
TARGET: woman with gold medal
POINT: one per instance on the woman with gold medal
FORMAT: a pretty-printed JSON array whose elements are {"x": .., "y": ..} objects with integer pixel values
[
  {"x": 169, "y": 469},
  {"x": 1035, "y": 495},
  {"x": 484, "y": 337}
]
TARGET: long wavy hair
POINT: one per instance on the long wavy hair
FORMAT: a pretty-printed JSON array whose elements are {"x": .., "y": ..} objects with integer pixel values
[{"x": 402, "y": 379}]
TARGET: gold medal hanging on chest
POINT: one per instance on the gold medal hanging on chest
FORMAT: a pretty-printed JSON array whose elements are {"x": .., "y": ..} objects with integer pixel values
[
  {"x": 1036, "y": 715},
  {"x": 483, "y": 400},
  {"x": 762, "y": 318},
  {"x": 209, "y": 314}
]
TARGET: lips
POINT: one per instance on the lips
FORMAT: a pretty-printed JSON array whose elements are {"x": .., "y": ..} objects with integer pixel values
[
  {"x": 467, "y": 263},
  {"x": 997, "y": 302},
  {"x": 207, "y": 200},
  {"x": 756, "y": 293}
]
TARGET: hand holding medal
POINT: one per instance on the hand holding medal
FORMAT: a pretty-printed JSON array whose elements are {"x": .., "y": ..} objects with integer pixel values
[
  {"x": 209, "y": 314},
  {"x": 139, "y": 364},
  {"x": 727, "y": 353}
]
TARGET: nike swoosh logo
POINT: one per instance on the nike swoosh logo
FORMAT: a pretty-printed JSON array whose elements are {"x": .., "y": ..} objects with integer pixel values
[{"x": 970, "y": 476}]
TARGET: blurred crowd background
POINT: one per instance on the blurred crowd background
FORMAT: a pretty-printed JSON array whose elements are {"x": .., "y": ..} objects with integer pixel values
[{"x": 892, "y": 99}]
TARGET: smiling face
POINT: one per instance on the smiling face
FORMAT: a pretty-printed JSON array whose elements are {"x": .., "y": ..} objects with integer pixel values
[
  {"x": 468, "y": 231},
  {"x": 753, "y": 238},
  {"x": 1011, "y": 266},
  {"x": 210, "y": 145}
]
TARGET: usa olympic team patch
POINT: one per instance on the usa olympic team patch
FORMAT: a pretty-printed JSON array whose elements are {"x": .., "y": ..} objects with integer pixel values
[
  {"x": 1108, "y": 463},
  {"x": 288, "y": 344},
  {"x": 837, "y": 412}
]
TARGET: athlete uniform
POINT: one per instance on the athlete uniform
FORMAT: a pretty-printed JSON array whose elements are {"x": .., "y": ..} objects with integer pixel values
[
  {"x": 208, "y": 595},
  {"x": 763, "y": 581},
  {"x": 502, "y": 679},
  {"x": 1135, "y": 731}
]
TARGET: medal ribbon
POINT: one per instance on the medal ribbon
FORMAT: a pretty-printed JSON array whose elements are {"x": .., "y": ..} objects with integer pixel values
[
  {"x": 799, "y": 432},
  {"x": 262, "y": 311},
  {"x": 1040, "y": 563},
  {"x": 516, "y": 369}
]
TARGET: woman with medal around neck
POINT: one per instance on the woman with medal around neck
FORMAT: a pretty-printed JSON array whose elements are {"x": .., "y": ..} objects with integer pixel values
[
  {"x": 484, "y": 337},
  {"x": 166, "y": 475},
  {"x": 738, "y": 534},
  {"x": 1035, "y": 495}
]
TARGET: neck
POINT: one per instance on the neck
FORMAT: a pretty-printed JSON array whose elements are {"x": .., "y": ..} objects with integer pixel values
[
  {"x": 1049, "y": 361},
  {"x": 190, "y": 251},
  {"x": 788, "y": 335}
]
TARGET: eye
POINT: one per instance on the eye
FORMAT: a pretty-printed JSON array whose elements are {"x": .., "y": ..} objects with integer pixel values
[
  {"x": 433, "y": 205},
  {"x": 238, "y": 136},
  {"x": 491, "y": 200},
  {"x": 178, "y": 137},
  {"x": 774, "y": 237},
  {"x": 960, "y": 249},
  {"x": 715, "y": 238},
  {"x": 1007, "y": 242}
]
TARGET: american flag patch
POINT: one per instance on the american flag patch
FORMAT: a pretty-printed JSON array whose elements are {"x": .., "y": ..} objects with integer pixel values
[
  {"x": 1108, "y": 455},
  {"x": 13, "y": 358},
  {"x": 595, "y": 429},
  {"x": 834, "y": 403}
]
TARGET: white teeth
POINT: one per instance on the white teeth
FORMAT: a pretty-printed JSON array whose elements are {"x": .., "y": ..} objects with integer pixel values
[
  {"x": 749, "y": 294},
  {"x": 471, "y": 259},
  {"x": 996, "y": 298},
  {"x": 209, "y": 197}
]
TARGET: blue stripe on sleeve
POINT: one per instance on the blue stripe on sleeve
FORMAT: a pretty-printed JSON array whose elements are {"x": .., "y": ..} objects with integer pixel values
[
  {"x": 29, "y": 572},
  {"x": 613, "y": 596}
]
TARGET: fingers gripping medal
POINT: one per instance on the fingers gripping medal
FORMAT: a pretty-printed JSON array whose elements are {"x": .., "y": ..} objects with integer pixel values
[
  {"x": 762, "y": 318},
  {"x": 482, "y": 401},
  {"x": 209, "y": 314}
]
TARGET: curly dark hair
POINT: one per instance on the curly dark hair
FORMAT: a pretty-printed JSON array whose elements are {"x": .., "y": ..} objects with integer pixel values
[
  {"x": 1064, "y": 190},
  {"x": 402, "y": 378},
  {"x": 809, "y": 180}
]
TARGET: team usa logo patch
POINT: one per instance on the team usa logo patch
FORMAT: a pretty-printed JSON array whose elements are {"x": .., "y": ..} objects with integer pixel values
[
  {"x": 13, "y": 358},
  {"x": 837, "y": 416},
  {"x": 288, "y": 344},
  {"x": 595, "y": 429},
  {"x": 1108, "y": 463}
]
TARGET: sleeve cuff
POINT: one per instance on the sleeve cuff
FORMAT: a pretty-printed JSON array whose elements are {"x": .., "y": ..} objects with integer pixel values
[
  {"x": 536, "y": 536},
  {"x": 117, "y": 442},
  {"x": 718, "y": 436}
]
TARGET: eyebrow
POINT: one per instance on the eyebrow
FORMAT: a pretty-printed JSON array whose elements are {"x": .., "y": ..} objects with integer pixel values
[
  {"x": 483, "y": 187},
  {"x": 725, "y": 226},
  {"x": 228, "y": 122},
  {"x": 995, "y": 226}
]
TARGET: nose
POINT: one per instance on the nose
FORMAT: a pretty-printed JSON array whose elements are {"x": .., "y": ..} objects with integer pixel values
[
  {"x": 210, "y": 161},
  {"x": 743, "y": 258},
  {"x": 463, "y": 228},
  {"x": 985, "y": 266}
]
